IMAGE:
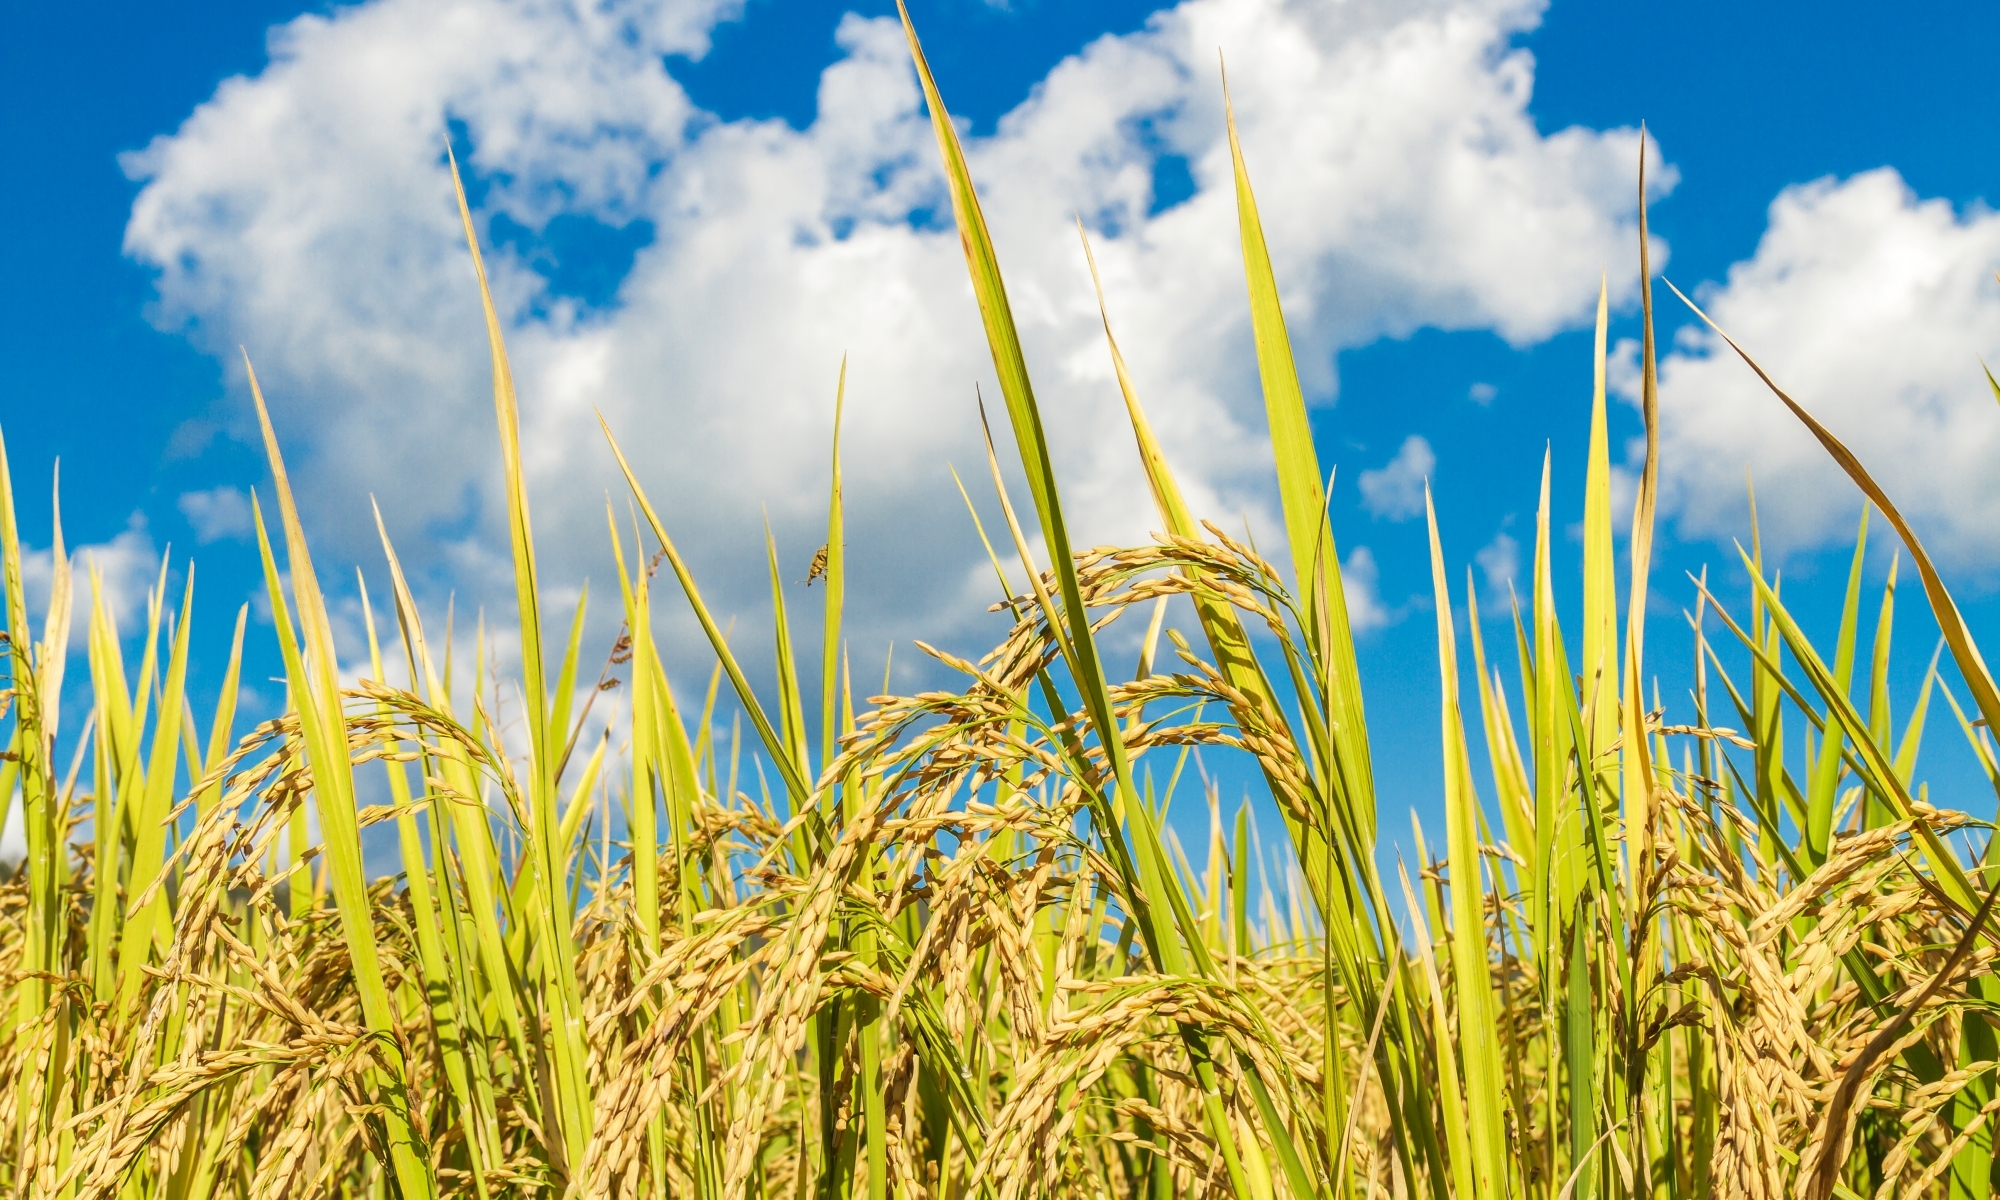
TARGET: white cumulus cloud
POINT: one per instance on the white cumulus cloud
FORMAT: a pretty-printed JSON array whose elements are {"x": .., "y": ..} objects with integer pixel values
[
  {"x": 1872, "y": 308},
  {"x": 1361, "y": 585},
  {"x": 217, "y": 513},
  {"x": 305, "y": 213},
  {"x": 121, "y": 572},
  {"x": 1500, "y": 562},
  {"x": 1395, "y": 490}
]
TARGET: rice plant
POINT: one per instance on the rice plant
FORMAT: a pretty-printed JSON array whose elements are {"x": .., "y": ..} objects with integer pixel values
[{"x": 947, "y": 945}]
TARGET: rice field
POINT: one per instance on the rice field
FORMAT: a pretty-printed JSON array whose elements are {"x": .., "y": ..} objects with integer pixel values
[{"x": 946, "y": 945}]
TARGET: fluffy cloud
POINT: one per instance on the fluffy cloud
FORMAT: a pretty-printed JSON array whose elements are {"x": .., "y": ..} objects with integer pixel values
[
  {"x": 1361, "y": 583},
  {"x": 305, "y": 214},
  {"x": 1871, "y": 308},
  {"x": 120, "y": 572},
  {"x": 1396, "y": 489},
  {"x": 1500, "y": 562},
  {"x": 217, "y": 513}
]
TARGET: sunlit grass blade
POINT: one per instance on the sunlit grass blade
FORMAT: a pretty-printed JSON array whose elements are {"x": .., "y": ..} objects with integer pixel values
[
  {"x": 1579, "y": 1026},
  {"x": 791, "y": 697},
  {"x": 1880, "y": 772},
  {"x": 1301, "y": 491},
  {"x": 221, "y": 731},
  {"x": 149, "y": 923},
  {"x": 1220, "y": 622},
  {"x": 1600, "y": 587},
  {"x": 1646, "y": 500},
  {"x": 835, "y": 573},
  {"x": 313, "y": 670},
  {"x": 441, "y": 985},
  {"x": 1079, "y": 645},
  {"x": 551, "y": 915},
  {"x": 774, "y": 744},
  {"x": 1638, "y": 789},
  {"x": 117, "y": 752},
  {"x": 1450, "y": 1100},
  {"x": 473, "y": 841},
  {"x": 1068, "y": 621},
  {"x": 42, "y": 819},
  {"x": 642, "y": 815},
  {"x": 1823, "y": 784},
  {"x": 1513, "y": 791},
  {"x": 1880, "y": 717},
  {"x": 1478, "y": 1035}
]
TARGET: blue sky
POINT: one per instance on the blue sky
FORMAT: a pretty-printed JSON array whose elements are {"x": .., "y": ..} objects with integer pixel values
[{"x": 692, "y": 223}]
